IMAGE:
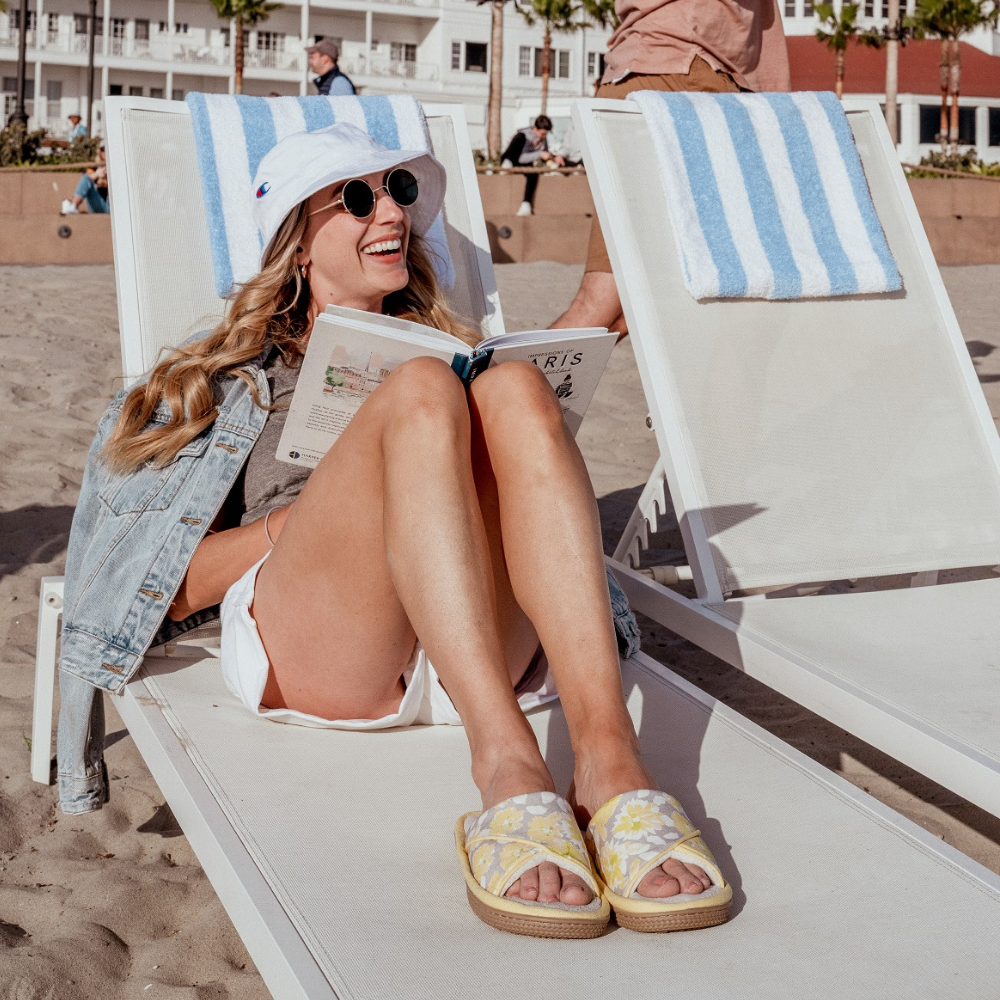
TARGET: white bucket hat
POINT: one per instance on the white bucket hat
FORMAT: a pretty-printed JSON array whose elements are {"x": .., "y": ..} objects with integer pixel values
[{"x": 306, "y": 162}]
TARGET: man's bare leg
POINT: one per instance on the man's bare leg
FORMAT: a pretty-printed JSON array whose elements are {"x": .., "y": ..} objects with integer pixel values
[{"x": 596, "y": 304}]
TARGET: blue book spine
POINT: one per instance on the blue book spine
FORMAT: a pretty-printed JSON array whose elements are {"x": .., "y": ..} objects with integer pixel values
[{"x": 468, "y": 368}]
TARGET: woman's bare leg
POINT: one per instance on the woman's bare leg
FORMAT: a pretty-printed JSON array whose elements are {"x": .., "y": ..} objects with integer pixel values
[
  {"x": 387, "y": 541},
  {"x": 554, "y": 559}
]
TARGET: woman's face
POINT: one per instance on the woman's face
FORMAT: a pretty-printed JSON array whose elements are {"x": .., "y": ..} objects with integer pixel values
[{"x": 354, "y": 262}]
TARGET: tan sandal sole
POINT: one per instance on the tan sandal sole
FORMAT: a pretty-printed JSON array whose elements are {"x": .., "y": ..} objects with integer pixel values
[
  {"x": 659, "y": 923},
  {"x": 515, "y": 917}
]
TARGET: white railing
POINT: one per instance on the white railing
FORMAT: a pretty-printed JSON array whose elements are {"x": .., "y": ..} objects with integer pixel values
[
  {"x": 272, "y": 59},
  {"x": 382, "y": 66}
]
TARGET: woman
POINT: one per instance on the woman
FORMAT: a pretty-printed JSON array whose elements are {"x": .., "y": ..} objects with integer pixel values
[{"x": 411, "y": 577}]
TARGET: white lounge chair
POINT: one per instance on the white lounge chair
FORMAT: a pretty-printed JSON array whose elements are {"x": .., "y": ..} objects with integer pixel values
[
  {"x": 339, "y": 893},
  {"x": 811, "y": 441}
]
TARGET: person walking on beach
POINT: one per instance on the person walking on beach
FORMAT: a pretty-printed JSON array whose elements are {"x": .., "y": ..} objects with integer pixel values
[
  {"x": 717, "y": 46},
  {"x": 329, "y": 80},
  {"x": 528, "y": 148},
  {"x": 417, "y": 575}
]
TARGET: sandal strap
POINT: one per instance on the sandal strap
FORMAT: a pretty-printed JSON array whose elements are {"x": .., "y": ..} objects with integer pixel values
[
  {"x": 635, "y": 832},
  {"x": 522, "y": 832}
]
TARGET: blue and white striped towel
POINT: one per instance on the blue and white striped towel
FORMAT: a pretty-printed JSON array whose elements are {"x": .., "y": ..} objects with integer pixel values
[
  {"x": 767, "y": 196},
  {"x": 233, "y": 132}
]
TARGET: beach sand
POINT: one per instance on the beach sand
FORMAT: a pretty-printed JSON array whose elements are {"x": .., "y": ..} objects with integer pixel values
[{"x": 114, "y": 904}]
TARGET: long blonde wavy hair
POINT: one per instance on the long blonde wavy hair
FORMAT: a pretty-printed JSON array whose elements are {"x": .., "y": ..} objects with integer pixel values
[{"x": 271, "y": 308}]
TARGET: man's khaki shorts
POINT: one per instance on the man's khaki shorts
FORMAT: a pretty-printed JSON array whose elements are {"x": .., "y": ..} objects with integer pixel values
[{"x": 701, "y": 77}]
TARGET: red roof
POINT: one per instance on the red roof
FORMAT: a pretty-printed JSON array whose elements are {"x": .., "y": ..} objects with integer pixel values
[{"x": 812, "y": 68}]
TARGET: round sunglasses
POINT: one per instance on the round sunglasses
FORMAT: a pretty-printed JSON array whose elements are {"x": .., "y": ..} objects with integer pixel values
[{"x": 358, "y": 197}]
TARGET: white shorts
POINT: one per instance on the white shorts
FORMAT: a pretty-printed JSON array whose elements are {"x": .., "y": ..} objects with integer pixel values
[{"x": 425, "y": 702}]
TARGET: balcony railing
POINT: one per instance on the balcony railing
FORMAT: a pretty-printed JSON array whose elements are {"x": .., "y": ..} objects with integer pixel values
[
  {"x": 383, "y": 66},
  {"x": 272, "y": 59}
]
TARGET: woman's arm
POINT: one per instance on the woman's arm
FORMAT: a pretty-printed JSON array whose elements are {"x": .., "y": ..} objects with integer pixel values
[{"x": 220, "y": 560}]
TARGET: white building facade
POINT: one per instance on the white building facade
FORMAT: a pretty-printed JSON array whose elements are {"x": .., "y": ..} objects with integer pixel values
[{"x": 437, "y": 50}]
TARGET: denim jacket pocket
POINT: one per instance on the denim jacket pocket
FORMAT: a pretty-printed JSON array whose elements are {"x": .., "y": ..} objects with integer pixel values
[{"x": 152, "y": 488}]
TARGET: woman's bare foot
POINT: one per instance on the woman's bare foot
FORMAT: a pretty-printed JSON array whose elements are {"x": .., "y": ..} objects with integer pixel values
[
  {"x": 517, "y": 774},
  {"x": 601, "y": 776}
]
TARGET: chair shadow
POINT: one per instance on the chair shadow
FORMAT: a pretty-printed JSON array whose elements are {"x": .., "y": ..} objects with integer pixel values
[{"x": 33, "y": 535}]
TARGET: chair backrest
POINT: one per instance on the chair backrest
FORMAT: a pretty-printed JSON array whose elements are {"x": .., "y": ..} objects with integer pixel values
[
  {"x": 817, "y": 439},
  {"x": 163, "y": 264}
]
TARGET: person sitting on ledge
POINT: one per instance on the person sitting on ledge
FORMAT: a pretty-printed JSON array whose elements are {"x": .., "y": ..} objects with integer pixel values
[
  {"x": 92, "y": 189},
  {"x": 530, "y": 146}
]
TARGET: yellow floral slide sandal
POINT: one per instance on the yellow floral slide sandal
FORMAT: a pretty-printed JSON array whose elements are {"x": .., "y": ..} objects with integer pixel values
[
  {"x": 497, "y": 846},
  {"x": 633, "y": 833}
]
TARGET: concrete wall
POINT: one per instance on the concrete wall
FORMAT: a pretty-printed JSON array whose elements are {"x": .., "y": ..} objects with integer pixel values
[
  {"x": 962, "y": 219},
  {"x": 32, "y": 230}
]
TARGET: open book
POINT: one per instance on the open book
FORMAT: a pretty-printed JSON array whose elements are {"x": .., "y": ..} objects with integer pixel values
[{"x": 350, "y": 352}]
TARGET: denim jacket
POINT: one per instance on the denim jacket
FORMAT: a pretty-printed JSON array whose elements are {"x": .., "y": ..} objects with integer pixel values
[{"x": 130, "y": 545}]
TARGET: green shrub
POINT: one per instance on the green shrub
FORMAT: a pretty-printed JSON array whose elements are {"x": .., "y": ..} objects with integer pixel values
[
  {"x": 18, "y": 146},
  {"x": 963, "y": 163}
]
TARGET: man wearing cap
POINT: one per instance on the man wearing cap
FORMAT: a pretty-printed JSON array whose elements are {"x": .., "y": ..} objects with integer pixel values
[
  {"x": 76, "y": 127},
  {"x": 323, "y": 58}
]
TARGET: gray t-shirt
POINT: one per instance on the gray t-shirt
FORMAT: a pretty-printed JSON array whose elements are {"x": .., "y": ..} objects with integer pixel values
[{"x": 266, "y": 483}]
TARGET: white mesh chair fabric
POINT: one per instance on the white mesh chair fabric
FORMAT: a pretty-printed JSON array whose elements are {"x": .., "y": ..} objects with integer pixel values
[
  {"x": 830, "y": 886},
  {"x": 806, "y": 440},
  {"x": 163, "y": 264}
]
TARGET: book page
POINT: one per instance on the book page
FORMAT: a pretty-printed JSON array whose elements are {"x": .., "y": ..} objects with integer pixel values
[
  {"x": 573, "y": 367},
  {"x": 343, "y": 365}
]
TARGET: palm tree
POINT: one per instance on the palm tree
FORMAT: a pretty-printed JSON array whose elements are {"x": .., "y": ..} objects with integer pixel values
[
  {"x": 243, "y": 14},
  {"x": 553, "y": 15},
  {"x": 949, "y": 20},
  {"x": 494, "y": 105},
  {"x": 837, "y": 29}
]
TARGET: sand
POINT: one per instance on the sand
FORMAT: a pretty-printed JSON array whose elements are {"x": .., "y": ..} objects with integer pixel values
[{"x": 114, "y": 904}]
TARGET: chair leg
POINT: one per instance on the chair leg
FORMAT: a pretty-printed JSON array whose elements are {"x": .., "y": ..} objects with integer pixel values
[{"x": 50, "y": 604}]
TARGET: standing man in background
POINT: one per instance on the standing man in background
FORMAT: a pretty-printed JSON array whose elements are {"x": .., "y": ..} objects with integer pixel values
[
  {"x": 329, "y": 80},
  {"x": 718, "y": 46}
]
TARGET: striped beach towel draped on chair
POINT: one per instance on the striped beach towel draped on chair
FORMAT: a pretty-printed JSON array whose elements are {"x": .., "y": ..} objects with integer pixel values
[
  {"x": 233, "y": 132},
  {"x": 767, "y": 196}
]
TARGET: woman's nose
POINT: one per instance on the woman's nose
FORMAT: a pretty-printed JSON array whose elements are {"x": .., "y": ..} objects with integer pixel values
[{"x": 386, "y": 210}]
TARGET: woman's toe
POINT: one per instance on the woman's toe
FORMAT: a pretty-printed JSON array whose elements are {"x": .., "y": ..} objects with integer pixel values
[
  {"x": 549, "y": 883},
  {"x": 575, "y": 892}
]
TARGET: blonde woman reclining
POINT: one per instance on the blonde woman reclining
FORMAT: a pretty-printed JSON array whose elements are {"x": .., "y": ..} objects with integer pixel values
[{"x": 415, "y": 575}]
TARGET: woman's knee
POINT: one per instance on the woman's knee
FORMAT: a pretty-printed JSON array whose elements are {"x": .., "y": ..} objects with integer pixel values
[
  {"x": 517, "y": 397},
  {"x": 425, "y": 392}
]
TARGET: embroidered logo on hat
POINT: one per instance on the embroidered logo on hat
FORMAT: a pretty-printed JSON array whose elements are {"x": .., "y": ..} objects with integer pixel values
[{"x": 263, "y": 189}]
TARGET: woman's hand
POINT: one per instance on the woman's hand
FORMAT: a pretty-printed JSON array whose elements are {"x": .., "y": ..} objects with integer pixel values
[{"x": 220, "y": 560}]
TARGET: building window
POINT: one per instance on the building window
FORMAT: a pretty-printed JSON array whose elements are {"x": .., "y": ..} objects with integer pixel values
[
  {"x": 475, "y": 57},
  {"x": 270, "y": 41},
  {"x": 141, "y": 30},
  {"x": 807, "y": 8},
  {"x": 15, "y": 19},
  {"x": 118, "y": 27},
  {"x": 595, "y": 65},
  {"x": 53, "y": 90},
  {"x": 180, "y": 28},
  {"x": 885, "y": 8},
  {"x": 156, "y": 92},
  {"x": 115, "y": 90},
  {"x": 869, "y": 8},
  {"x": 930, "y": 125},
  {"x": 558, "y": 63},
  {"x": 177, "y": 95},
  {"x": 524, "y": 60},
  {"x": 456, "y": 55},
  {"x": 994, "y": 139},
  {"x": 80, "y": 24},
  {"x": 53, "y": 26},
  {"x": 135, "y": 91},
  {"x": 10, "y": 87},
  {"x": 224, "y": 32},
  {"x": 403, "y": 52},
  {"x": 789, "y": 8}
]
